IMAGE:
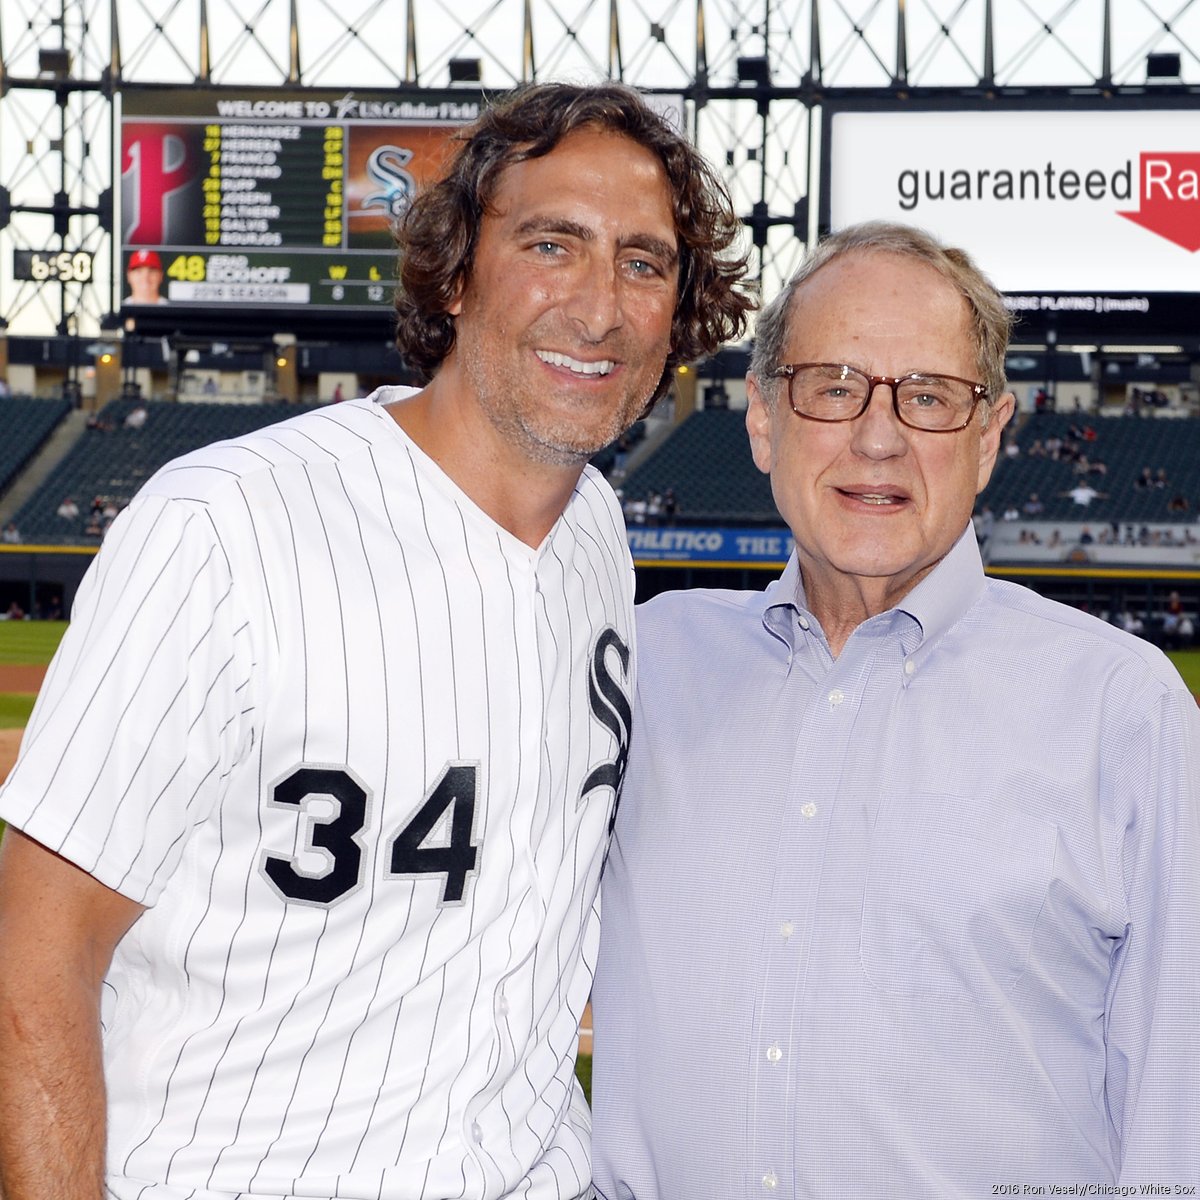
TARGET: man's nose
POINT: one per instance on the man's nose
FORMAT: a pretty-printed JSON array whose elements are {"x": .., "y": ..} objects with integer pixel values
[
  {"x": 594, "y": 302},
  {"x": 878, "y": 433}
]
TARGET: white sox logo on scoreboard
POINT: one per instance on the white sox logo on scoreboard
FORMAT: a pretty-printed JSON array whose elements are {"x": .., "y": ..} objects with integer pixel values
[{"x": 334, "y": 805}]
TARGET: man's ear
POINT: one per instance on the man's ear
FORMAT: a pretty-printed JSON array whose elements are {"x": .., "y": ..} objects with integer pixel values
[
  {"x": 999, "y": 417},
  {"x": 758, "y": 424}
]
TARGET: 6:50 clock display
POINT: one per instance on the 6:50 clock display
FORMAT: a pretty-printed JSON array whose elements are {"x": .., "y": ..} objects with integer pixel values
[{"x": 55, "y": 266}]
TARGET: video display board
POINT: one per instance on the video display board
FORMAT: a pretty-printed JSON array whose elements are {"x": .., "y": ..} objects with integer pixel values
[
  {"x": 1090, "y": 211},
  {"x": 272, "y": 198}
]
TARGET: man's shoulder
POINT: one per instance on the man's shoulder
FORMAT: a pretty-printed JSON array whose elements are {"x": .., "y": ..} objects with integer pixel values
[
  {"x": 1048, "y": 631},
  {"x": 697, "y": 616},
  {"x": 326, "y": 435}
]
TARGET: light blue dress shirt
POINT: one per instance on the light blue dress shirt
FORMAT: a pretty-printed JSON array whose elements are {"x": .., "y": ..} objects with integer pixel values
[{"x": 919, "y": 921}]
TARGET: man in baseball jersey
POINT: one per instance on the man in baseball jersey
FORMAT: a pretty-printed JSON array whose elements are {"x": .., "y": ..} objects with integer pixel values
[{"x": 315, "y": 798}]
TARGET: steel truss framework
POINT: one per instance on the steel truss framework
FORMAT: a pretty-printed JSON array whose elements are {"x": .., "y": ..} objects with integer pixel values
[{"x": 754, "y": 73}]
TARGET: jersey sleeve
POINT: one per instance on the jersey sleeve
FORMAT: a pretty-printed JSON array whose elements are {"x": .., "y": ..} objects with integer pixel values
[
  {"x": 1153, "y": 1035},
  {"x": 145, "y": 707}
]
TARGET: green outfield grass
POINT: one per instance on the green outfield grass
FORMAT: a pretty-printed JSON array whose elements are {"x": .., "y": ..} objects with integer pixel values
[
  {"x": 30, "y": 643},
  {"x": 14, "y": 710},
  {"x": 583, "y": 1072},
  {"x": 1187, "y": 663}
]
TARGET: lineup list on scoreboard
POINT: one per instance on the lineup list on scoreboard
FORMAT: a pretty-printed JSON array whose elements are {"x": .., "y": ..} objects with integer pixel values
[
  {"x": 258, "y": 208},
  {"x": 259, "y": 189}
]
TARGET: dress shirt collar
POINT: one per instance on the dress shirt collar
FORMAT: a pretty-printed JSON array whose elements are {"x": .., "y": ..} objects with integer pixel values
[{"x": 935, "y": 604}]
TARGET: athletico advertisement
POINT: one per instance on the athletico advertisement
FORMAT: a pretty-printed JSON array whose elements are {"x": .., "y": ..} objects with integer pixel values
[
  {"x": 1101, "y": 203},
  {"x": 267, "y": 198}
]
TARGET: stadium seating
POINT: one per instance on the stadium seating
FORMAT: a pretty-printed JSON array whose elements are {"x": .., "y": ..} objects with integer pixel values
[
  {"x": 27, "y": 423},
  {"x": 1125, "y": 445},
  {"x": 707, "y": 462},
  {"x": 112, "y": 462}
]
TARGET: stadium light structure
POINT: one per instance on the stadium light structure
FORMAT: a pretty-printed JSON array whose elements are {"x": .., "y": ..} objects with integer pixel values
[
  {"x": 466, "y": 70},
  {"x": 1163, "y": 67},
  {"x": 755, "y": 70},
  {"x": 54, "y": 61}
]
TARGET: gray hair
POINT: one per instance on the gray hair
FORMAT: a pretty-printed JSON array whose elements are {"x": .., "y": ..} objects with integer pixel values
[{"x": 991, "y": 323}]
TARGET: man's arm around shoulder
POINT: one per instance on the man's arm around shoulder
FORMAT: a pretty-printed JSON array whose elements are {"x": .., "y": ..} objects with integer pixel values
[{"x": 58, "y": 930}]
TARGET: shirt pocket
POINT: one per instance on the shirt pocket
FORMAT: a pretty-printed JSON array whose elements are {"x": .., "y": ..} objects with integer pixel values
[{"x": 953, "y": 892}]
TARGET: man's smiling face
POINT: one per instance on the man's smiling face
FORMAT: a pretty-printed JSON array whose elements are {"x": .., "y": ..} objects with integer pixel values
[
  {"x": 871, "y": 501},
  {"x": 563, "y": 328}
]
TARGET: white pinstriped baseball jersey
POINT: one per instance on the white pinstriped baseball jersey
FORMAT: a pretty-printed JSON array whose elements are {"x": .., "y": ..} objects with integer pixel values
[{"x": 356, "y": 747}]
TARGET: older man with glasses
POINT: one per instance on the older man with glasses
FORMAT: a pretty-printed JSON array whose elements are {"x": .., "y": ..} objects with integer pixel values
[{"x": 904, "y": 898}]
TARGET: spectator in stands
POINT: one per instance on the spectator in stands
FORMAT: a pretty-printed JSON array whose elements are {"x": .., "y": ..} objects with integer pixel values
[
  {"x": 3, "y": 387},
  {"x": 670, "y": 506},
  {"x": 135, "y": 418},
  {"x": 11, "y": 534},
  {"x": 68, "y": 510},
  {"x": 899, "y": 846},
  {"x": 99, "y": 423},
  {"x": 1033, "y": 507},
  {"x": 1083, "y": 494},
  {"x": 1171, "y": 621},
  {"x": 144, "y": 276},
  {"x": 14, "y": 612},
  {"x": 1177, "y": 503}
]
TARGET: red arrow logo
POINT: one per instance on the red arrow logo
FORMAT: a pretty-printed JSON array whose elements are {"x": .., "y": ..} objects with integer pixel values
[{"x": 1170, "y": 198}]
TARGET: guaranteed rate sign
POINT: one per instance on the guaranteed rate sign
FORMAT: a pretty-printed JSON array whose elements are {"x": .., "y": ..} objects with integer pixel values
[
  {"x": 1085, "y": 201},
  {"x": 234, "y": 199}
]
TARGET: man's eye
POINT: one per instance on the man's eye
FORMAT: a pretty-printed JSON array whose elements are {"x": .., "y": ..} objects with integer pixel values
[
  {"x": 642, "y": 266},
  {"x": 548, "y": 248}
]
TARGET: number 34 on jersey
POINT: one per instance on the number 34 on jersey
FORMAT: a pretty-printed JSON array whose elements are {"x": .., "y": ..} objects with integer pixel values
[{"x": 332, "y": 805}]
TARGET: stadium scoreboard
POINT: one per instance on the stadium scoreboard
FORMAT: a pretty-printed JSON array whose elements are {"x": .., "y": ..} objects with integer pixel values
[{"x": 253, "y": 199}]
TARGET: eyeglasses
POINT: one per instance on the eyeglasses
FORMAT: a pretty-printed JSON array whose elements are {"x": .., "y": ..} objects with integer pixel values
[{"x": 836, "y": 392}]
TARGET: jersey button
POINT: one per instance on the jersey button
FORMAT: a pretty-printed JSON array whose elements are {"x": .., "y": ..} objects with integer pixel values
[
  {"x": 774, "y": 1054},
  {"x": 808, "y": 810},
  {"x": 770, "y": 1181},
  {"x": 836, "y": 697},
  {"x": 476, "y": 1133},
  {"x": 786, "y": 929},
  {"x": 502, "y": 1005}
]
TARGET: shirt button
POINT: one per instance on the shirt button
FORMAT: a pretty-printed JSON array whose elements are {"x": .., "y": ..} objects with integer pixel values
[
  {"x": 802, "y": 622},
  {"x": 476, "y": 1132},
  {"x": 770, "y": 1181},
  {"x": 909, "y": 668},
  {"x": 836, "y": 697},
  {"x": 808, "y": 810},
  {"x": 774, "y": 1054},
  {"x": 786, "y": 929}
]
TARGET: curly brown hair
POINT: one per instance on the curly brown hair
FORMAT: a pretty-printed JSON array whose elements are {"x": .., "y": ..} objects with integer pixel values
[{"x": 436, "y": 238}]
